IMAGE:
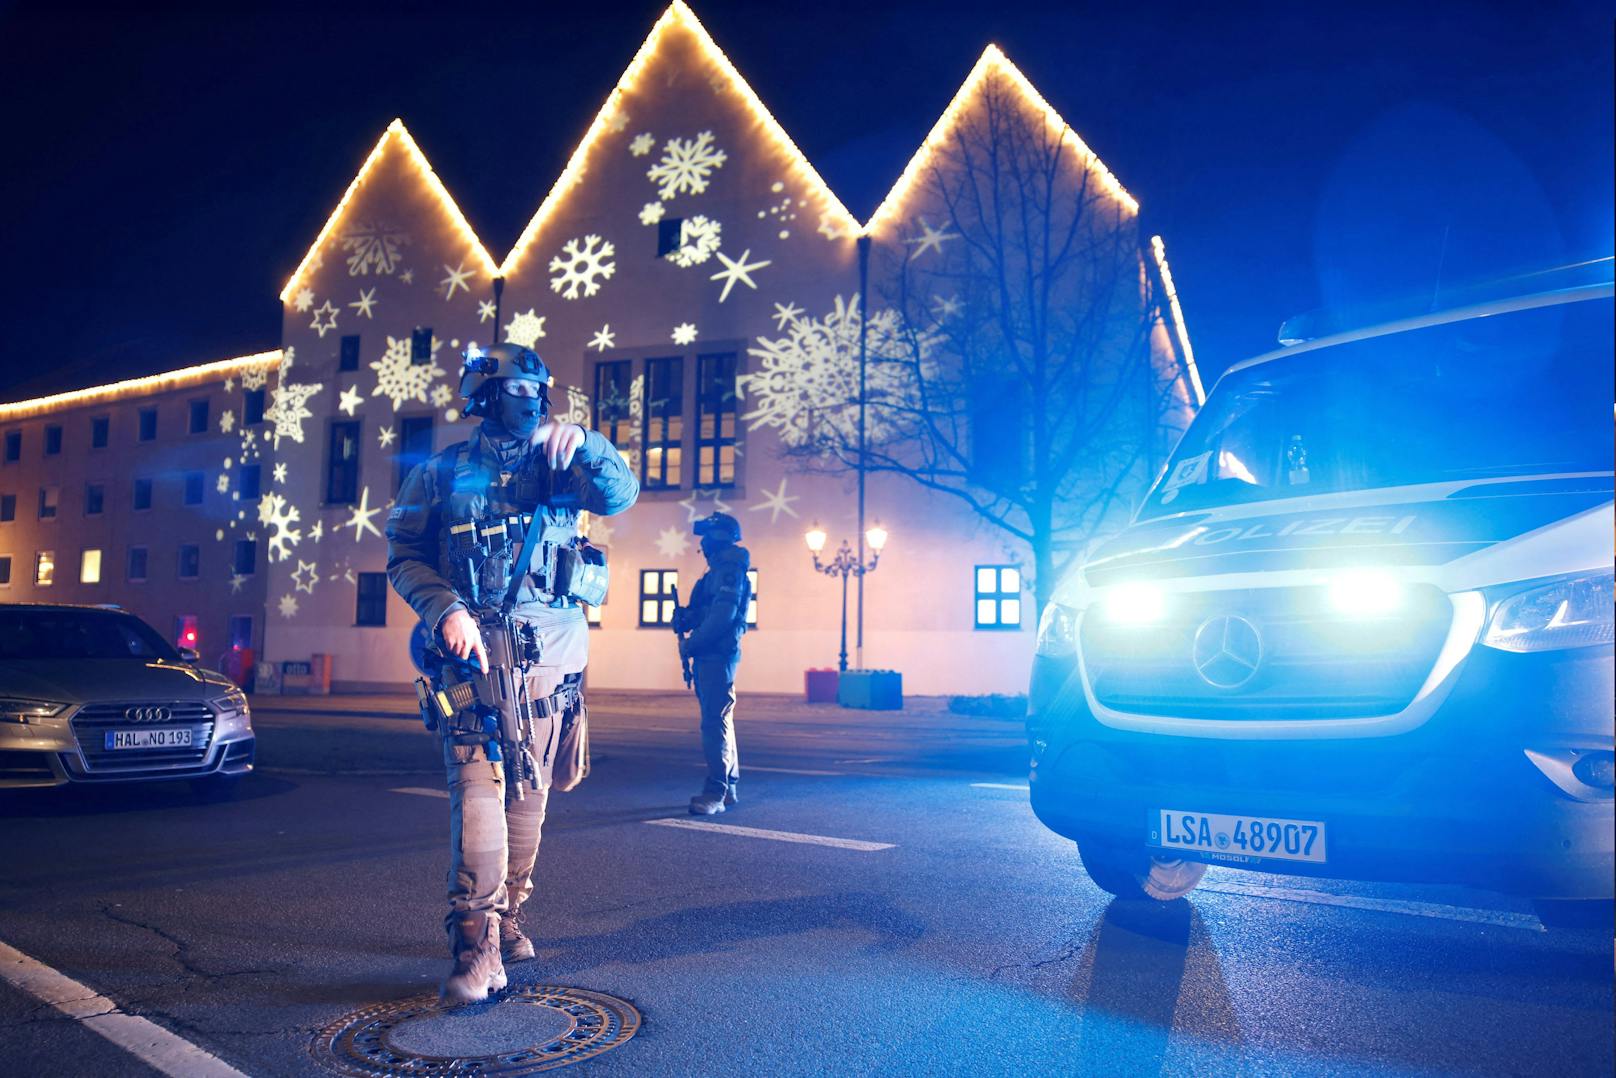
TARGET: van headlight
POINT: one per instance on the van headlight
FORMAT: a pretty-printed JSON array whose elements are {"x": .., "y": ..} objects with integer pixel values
[
  {"x": 1574, "y": 612},
  {"x": 1057, "y": 631}
]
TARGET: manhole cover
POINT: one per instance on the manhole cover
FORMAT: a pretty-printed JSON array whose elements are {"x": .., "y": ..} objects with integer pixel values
[{"x": 523, "y": 1030}]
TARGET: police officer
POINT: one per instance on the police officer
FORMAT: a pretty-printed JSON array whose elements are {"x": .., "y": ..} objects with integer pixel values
[
  {"x": 454, "y": 547},
  {"x": 715, "y": 621}
]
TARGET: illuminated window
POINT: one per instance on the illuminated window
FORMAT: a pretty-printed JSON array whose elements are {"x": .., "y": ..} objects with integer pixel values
[
  {"x": 45, "y": 568},
  {"x": 53, "y": 440},
  {"x": 670, "y": 235},
  {"x": 421, "y": 346},
  {"x": 715, "y": 420},
  {"x": 656, "y": 597},
  {"x": 137, "y": 564},
  {"x": 751, "y": 606},
  {"x": 143, "y": 490},
  {"x": 199, "y": 417},
  {"x": 194, "y": 486},
  {"x": 591, "y": 615},
  {"x": 414, "y": 445},
  {"x": 998, "y": 597},
  {"x": 190, "y": 562},
  {"x": 8, "y": 508},
  {"x": 249, "y": 482},
  {"x": 246, "y": 560},
  {"x": 664, "y": 432},
  {"x": 614, "y": 389},
  {"x": 252, "y": 406},
  {"x": 5, "y": 570},
  {"x": 95, "y": 499},
  {"x": 90, "y": 567},
  {"x": 342, "y": 464},
  {"x": 348, "y": 355},
  {"x": 370, "y": 599},
  {"x": 47, "y": 503},
  {"x": 13, "y": 446},
  {"x": 100, "y": 431},
  {"x": 147, "y": 426}
]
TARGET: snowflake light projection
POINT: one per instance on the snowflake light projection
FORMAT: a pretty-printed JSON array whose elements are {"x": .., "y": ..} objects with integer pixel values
[
  {"x": 373, "y": 247},
  {"x": 684, "y": 333},
  {"x": 288, "y": 606},
  {"x": 288, "y": 409},
  {"x": 275, "y": 513},
  {"x": 304, "y": 300},
  {"x": 227, "y": 421},
  {"x": 399, "y": 378},
  {"x": 686, "y": 165},
  {"x": 577, "y": 410},
  {"x": 254, "y": 377},
  {"x": 442, "y": 395},
  {"x": 699, "y": 238},
  {"x": 579, "y": 264},
  {"x": 642, "y": 144},
  {"x": 806, "y": 383},
  {"x": 525, "y": 328},
  {"x": 603, "y": 339},
  {"x": 651, "y": 213}
]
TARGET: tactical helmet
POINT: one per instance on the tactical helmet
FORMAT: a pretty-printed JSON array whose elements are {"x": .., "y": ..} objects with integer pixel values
[
  {"x": 720, "y": 526},
  {"x": 485, "y": 367}
]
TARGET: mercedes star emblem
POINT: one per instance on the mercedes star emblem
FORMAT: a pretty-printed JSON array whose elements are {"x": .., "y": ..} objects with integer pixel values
[{"x": 1227, "y": 651}]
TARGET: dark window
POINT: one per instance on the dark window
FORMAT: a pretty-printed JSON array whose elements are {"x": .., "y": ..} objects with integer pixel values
[
  {"x": 53, "y": 440},
  {"x": 342, "y": 465},
  {"x": 47, "y": 503},
  {"x": 614, "y": 390},
  {"x": 148, "y": 424},
  {"x": 199, "y": 417},
  {"x": 137, "y": 563},
  {"x": 95, "y": 499},
  {"x": 670, "y": 235},
  {"x": 240, "y": 631},
  {"x": 246, "y": 562},
  {"x": 249, "y": 481},
  {"x": 421, "y": 346},
  {"x": 100, "y": 432},
  {"x": 190, "y": 561},
  {"x": 370, "y": 604},
  {"x": 8, "y": 507},
  {"x": 252, "y": 407},
  {"x": 13, "y": 446},
  {"x": 143, "y": 488},
  {"x": 656, "y": 596},
  {"x": 5, "y": 570},
  {"x": 715, "y": 420},
  {"x": 193, "y": 488},
  {"x": 348, "y": 355},
  {"x": 414, "y": 444},
  {"x": 998, "y": 597},
  {"x": 664, "y": 422}
]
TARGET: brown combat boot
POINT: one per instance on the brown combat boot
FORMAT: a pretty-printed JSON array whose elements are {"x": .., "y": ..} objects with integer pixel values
[
  {"x": 514, "y": 946},
  {"x": 477, "y": 969}
]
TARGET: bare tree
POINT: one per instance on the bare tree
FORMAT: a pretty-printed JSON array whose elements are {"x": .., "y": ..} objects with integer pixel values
[{"x": 1019, "y": 361}]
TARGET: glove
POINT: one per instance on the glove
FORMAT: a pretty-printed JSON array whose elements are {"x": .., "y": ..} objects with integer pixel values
[{"x": 684, "y": 648}]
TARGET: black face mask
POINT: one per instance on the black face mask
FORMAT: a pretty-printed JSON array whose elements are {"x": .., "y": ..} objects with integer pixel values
[
  {"x": 517, "y": 417},
  {"x": 712, "y": 546}
]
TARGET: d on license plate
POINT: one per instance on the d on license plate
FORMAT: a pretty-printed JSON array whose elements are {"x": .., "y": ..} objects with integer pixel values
[
  {"x": 1239, "y": 837},
  {"x": 149, "y": 739}
]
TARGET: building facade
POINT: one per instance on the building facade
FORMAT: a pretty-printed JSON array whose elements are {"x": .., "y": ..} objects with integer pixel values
[{"x": 694, "y": 286}]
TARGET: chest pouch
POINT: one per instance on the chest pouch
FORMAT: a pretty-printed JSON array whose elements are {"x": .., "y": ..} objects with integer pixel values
[{"x": 581, "y": 573}]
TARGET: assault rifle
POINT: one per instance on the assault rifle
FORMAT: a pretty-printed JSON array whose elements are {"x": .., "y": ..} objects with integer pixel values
[{"x": 679, "y": 612}]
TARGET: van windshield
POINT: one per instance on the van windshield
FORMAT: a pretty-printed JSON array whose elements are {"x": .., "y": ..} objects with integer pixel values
[{"x": 1518, "y": 394}]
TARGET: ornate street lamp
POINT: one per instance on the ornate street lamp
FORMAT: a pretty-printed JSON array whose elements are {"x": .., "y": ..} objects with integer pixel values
[{"x": 846, "y": 564}]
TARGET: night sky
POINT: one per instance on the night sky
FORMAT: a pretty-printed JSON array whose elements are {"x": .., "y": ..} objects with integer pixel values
[{"x": 165, "y": 173}]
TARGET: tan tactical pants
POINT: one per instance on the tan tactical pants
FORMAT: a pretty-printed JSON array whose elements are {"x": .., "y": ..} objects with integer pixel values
[{"x": 715, "y": 696}]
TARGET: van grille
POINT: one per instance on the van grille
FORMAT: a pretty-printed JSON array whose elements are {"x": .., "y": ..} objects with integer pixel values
[
  {"x": 92, "y": 722},
  {"x": 1314, "y": 663}
]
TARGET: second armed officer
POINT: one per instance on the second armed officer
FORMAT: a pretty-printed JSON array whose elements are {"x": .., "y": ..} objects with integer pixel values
[{"x": 710, "y": 631}]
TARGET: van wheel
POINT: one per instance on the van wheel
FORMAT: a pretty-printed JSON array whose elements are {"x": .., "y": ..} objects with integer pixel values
[
  {"x": 1134, "y": 873},
  {"x": 1577, "y": 914}
]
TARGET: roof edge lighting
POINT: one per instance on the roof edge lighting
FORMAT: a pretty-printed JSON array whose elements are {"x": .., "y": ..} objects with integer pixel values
[{"x": 144, "y": 386}]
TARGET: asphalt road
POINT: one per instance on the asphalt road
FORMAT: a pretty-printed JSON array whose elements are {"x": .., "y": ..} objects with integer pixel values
[{"x": 969, "y": 943}]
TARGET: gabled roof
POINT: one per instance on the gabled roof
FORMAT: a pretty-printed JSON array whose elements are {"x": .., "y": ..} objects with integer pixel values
[
  {"x": 677, "y": 18},
  {"x": 396, "y": 134},
  {"x": 152, "y": 383},
  {"x": 992, "y": 62}
]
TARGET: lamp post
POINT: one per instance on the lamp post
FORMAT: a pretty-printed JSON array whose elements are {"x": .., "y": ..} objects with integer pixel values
[{"x": 846, "y": 564}]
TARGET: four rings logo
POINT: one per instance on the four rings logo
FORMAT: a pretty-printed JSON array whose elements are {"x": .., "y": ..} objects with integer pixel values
[
  {"x": 148, "y": 713},
  {"x": 1227, "y": 651}
]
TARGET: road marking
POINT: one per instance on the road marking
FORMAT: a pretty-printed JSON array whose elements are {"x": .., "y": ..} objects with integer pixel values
[
  {"x": 1001, "y": 786},
  {"x": 420, "y": 791},
  {"x": 867, "y": 760},
  {"x": 1435, "y": 910},
  {"x": 145, "y": 1040},
  {"x": 789, "y": 770},
  {"x": 777, "y": 836}
]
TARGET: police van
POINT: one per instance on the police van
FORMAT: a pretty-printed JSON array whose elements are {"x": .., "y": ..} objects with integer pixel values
[{"x": 1361, "y": 627}]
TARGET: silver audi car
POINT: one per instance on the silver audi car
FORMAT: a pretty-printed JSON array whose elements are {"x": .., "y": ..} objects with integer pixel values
[{"x": 95, "y": 695}]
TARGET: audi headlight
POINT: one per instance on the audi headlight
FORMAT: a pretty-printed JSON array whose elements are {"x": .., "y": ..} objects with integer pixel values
[
  {"x": 1057, "y": 631},
  {"x": 15, "y": 710},
  {"x": 1575, "y": 612},
  {"x": 232, "y": 699}
]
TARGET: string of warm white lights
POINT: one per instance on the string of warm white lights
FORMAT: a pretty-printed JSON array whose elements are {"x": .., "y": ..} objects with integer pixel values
[
  {"x": 677, "y": 16},
  {"x": 395, "y": 130},
  {"x": 135, "y": 387},
  {"x": 1160, "y": 250}
]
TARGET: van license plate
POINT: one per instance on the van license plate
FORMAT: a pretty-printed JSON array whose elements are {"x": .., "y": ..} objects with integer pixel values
[
  {"x": 1239, "y": 837},
  {"x": 177, "y": 738}
]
